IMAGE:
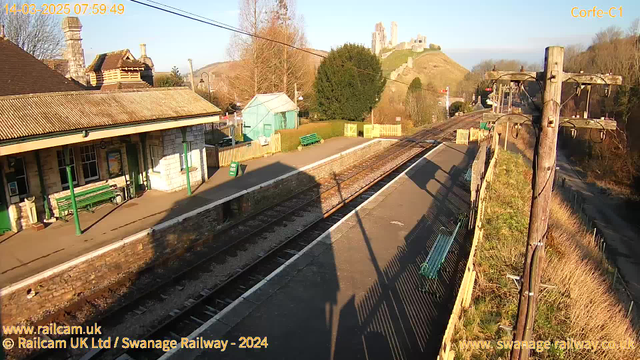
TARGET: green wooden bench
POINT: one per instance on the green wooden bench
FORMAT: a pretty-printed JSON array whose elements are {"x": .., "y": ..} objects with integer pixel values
[
  {"x": 310, "y": 139},
  {"x": 485, "y": 126},
  {"x": 86, "y": 199},
  {"x": 430, "y": 268},
  {"x": 468, "y": 175}
]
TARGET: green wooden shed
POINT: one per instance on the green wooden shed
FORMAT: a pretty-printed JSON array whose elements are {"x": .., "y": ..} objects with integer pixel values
[{"x": 267, "y": 113}]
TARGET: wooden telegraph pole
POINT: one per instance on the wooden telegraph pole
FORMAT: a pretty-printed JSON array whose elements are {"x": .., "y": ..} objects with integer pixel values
[{"x": 543, "y": 171}]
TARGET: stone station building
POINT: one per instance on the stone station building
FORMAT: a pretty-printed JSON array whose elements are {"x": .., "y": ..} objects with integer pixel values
[{"x": 132, "y": 139}]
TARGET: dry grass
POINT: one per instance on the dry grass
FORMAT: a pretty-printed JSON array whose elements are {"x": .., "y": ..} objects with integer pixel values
[{"x": 582, "y": 306}]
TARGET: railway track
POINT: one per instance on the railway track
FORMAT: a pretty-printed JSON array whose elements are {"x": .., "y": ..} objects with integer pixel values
[{"x": 319, "y": 206}]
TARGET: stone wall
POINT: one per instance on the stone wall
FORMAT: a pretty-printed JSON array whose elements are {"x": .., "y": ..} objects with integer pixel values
[
  {"x": 171, "y": 177},
  {"x": 87, "y": 274}
]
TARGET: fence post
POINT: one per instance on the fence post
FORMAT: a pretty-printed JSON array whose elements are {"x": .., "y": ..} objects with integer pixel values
[{"x": 594, "y": 234}]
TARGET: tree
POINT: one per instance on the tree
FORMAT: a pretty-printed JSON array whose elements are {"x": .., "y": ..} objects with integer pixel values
[
  {"x": 173, "y": 79},
  {"x": 421, "y": 102},
  {"x": 38, "y": 34},
  {"x": 458, "y": 106},
  {"x": 263, "y": 66},
  {"x": 349, "y": 83}
]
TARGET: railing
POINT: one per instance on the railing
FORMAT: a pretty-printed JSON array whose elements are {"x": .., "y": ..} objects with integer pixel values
[
  {"x": 481, "y": 175},
  {"x": 218, "y": 157}
]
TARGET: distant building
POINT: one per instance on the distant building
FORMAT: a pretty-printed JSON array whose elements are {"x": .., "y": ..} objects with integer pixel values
[
  {"x": 419, "y": 44},
  {"x": 378, "y": 39},
  {"x": 383, "y": 34},
  {"x": 267, "y": 113},
  {"x": 109, "y": 71},
  {"x": 394, "y": 34},
  {"x": 120, "y": 70},
  {"x": 376, "y": 43}
]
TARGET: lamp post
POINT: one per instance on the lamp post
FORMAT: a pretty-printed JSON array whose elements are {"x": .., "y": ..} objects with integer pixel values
[{"x": 208, "y": 84}]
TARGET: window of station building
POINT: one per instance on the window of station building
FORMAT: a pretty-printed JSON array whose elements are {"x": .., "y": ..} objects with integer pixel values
[
  {"x": 63, "y": 170},
  {"x": 21, "y": 177},
  {"x": 89, "y": 160},
  {"x": 156, "y": 155},
  {"x": 182, "y": 167}
]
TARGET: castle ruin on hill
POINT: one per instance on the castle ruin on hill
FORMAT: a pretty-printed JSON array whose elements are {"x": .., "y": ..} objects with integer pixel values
[{"x": 379, "y": 40}]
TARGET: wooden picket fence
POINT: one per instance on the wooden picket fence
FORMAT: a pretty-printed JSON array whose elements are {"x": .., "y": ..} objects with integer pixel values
[
  {"x": 350, "y": 130},
  {"x": 463, "y": 299},
  {"x": 218, "y": 157},
  {"x": 378, "y": 130},
  {"x": 465, "y": 136}
]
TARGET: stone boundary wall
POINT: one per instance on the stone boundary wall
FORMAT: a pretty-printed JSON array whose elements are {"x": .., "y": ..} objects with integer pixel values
[{"x": 60, "y": 286}]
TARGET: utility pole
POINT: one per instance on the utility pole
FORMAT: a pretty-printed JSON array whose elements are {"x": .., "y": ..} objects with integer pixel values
[
  {"x": 447, "y": 101},
  {"x": 193, "y": 87},
  {"x": 543, "y": 172},
  {"x": 295, "y": 95}
]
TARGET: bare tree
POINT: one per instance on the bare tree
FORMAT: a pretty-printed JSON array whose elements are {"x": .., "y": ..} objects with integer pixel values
[
  {"x": 634, "y": 28},
  {"x": 266, "y": 66},
  {"x": 38, "y": 34},
  {"x": 607, "y": 35}
]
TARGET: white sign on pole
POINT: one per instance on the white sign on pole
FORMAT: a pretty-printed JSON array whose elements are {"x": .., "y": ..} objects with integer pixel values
[{"x": 398, "y": 118}]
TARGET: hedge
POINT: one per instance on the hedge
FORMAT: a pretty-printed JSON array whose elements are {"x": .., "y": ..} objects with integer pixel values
[{"x": 290, "y": 138}]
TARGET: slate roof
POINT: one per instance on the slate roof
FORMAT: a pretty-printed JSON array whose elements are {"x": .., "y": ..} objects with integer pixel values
[
  {"x": 24, "y": 116},
  {"x": 22, "y": 73}
]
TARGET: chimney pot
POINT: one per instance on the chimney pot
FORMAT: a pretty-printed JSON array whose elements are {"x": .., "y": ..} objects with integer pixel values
[
  {"x": 2, "y": 31},
  {"x": 143, "y": 50}
]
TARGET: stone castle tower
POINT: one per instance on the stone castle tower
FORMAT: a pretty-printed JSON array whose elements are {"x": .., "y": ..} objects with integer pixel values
[{"x": 74, "y": 53}]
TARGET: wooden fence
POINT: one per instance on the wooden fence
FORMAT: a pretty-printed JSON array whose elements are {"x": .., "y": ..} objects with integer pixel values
[
  {"x": 378, "y": 130},
  {"x": 350, "y": 130},
  {"x": 218, "y": 157},
  {"x": 465, "y": 136},
  {"x": 478, "y": 201}
]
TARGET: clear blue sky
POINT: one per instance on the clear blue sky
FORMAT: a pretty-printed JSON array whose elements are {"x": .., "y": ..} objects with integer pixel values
[{"x": 468, "y": 31}]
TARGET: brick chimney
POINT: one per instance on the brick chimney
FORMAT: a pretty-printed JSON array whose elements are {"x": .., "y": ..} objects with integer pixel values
[
  {"x": 147, "y": 74},
  {"x": 74, "y": 54}
]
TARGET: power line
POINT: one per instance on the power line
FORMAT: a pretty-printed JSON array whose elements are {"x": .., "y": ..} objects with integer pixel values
[{"x": 221, "y": 25}]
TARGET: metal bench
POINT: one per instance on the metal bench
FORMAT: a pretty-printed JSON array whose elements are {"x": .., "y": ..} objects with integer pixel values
[
  {"x": 309, "y": 139},
  {"x": 468, "y": 175},
  {"x": 86, "y": 199},
  {"x": 430, "y": 268}
]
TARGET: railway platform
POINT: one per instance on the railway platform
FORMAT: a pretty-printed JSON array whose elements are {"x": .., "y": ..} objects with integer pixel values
[
  {"x": 28, "y": 252},
  {"x": 354, "y": 293}
]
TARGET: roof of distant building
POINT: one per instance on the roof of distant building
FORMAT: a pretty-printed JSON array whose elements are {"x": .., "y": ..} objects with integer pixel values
[
  {"x": 24, "y": 116},
  {"x": 121, "y": 59},
  {"x": 22, "y": 73},
  {"x": 275, "y": 102}
]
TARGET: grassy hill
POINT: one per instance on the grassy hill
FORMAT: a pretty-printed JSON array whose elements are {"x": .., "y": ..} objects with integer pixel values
[{"x": 431, "y": 66}]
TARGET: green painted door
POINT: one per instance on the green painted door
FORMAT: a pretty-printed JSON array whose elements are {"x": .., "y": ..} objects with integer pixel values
[
  {"x": 268, "y": 130},
  {"x": 5, "y": 223},
  {"x": 134, "y": 168}
]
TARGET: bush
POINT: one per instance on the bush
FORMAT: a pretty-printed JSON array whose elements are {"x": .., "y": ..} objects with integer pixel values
[
  {"x": 349, "y": 83},
  {"x": 290, "y": 138}
]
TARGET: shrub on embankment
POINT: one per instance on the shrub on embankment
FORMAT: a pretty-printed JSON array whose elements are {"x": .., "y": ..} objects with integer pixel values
[
  {"x": 582, "y": 304},
  {"x": 290, "y": 138}
]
